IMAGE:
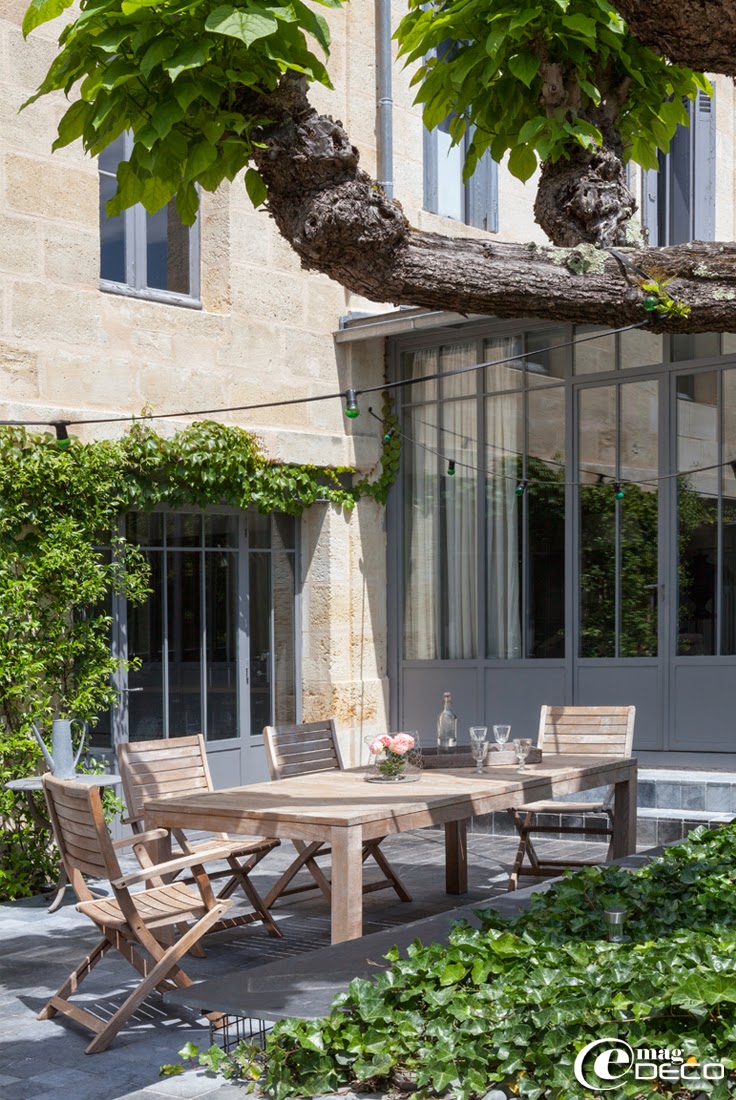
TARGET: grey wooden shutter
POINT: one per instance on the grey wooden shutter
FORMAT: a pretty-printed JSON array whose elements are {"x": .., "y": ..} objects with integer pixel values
[
  {"x": 482, "y": 195},
  {"x": 704, "y": 168},
  {"x": 431, "y": 174}
]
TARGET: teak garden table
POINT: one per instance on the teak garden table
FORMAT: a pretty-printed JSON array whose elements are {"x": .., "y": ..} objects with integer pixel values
[{"x": 342, "y": 809}]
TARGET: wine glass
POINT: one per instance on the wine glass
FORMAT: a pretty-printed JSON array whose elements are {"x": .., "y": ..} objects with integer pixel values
[
  {"x": 478, "y": 733},
  {"x": 480, "y": 752},
  {"x": 501, "y": 735},
  {"x": 522, "y": 747}
]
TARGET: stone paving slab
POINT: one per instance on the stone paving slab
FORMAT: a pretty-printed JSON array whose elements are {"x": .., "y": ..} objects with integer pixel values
[{"x": 41, "y": 1060}]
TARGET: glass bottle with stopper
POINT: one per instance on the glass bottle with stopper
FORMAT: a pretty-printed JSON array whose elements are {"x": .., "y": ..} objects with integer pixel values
[{"x": 446, "y": 725}]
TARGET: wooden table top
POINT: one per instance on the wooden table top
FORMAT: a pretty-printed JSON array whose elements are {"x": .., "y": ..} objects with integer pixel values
[{"x": 343, "y": 798}]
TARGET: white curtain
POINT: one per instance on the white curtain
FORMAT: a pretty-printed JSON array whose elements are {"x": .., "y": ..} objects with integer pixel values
[
  {"x": 504, "y": 440},
  {"x": 421, "y": 503},
  {"x": 459, "y": 557}
]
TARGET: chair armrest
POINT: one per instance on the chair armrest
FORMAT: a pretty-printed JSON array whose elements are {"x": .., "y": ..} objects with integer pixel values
[
  {"x": 141, "y": 838},
  {"x": 171, "y": 865},
  {"x": 130, "y": 820}
]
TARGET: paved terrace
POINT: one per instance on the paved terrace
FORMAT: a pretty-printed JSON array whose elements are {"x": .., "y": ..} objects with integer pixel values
[{"x": 45, "y": 1060}]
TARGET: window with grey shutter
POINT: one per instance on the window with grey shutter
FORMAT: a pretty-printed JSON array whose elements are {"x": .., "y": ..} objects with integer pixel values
[
  {"x": 475, "y": 202},
  {"x": 679, "y": 201}
]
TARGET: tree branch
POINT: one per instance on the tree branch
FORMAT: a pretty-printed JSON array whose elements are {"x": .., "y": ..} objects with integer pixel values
[
  {"x": 698, "y": 33},
  {"x": 340, "y": 223}
]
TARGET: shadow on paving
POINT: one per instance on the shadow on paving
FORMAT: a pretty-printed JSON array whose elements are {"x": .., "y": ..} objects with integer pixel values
[{"x": 45, "y": 1060}]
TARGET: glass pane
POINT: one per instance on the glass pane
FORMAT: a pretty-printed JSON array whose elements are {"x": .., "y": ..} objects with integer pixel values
[
  {"x": 545, "y": 502},
  {"x": 597, "y": 447},
  {"x": 184, "y": 529},
  {"x": 221, "y": 530},
  {"x": 144, "y": 528},
  {"x": 695, "y": 345},
  {"x": 639, "y": 525},
  {"x": 505, "y": 376},
  {"x": 184, "y": 579},
  {"x": 419, "y": 469},
  {"x": 639, "y": 348},
  {"x": 450, "y": 186},
  {"x": 417, "y": 364},
  {"x": 283, "y": 531},
  {"x": 112, "y": 236},
  {"x": 728, "y": 343},
  {"x": 503, "y": 465},
  {"x": 454, "y": 357},
  {"x": 145, "y": 644},
  {"x": 259, "y": 605},
  {"x": 728, "y": 475},
  {"x": 221, "y": 603},
  {"x": 284, "y": 588},
  {"x": 594, "y": 356},
  {"x": 458, "y": 532},
  {"x": 167, "y": 251},
  {"x": 259, "y": 531},
  {"x": 697, "y": 512},
  {"x": 545, "y": 366}
]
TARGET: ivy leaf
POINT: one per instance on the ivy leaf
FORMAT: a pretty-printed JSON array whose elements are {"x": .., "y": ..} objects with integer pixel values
[
  {"x": 525, "y": 66},
  {"x": 248, "y": 26},
  {"x": 522, "y": 162},
  {"x": 256, "y": 188}
]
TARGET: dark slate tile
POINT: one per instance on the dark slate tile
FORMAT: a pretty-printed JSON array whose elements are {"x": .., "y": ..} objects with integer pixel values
[
  {"x": 668, "y": 830},
  {"x": 646, "y": 830},
  {"x": 718, "y": 797},
  {"x": 645, "y": 793},
  {"x": 693, "y": 796},
  {"x": 668, "y": 795}
]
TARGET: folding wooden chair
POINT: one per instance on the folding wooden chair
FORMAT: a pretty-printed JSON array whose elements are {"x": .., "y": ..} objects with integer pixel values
[
  {"x": 578, "y": 731},
  {"x": 132, "y": 923},
  {"x": 159, "y": 769},
  {"x": 305, "y": 750}
]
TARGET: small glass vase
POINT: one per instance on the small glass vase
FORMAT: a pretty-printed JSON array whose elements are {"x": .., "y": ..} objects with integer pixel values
[{"x": 394, "y": 767}]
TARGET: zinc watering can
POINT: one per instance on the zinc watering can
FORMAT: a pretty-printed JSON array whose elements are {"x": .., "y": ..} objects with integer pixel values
[{"x": 61, "y": 760}]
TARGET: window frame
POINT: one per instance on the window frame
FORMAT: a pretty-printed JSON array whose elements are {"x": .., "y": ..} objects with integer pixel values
[
  {"x": 135, "y": 247},
  {"x": 480, "y": 193}
]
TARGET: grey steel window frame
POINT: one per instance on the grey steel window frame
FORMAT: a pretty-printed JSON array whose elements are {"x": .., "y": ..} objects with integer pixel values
[
  {"x": 136, "y": 246},
  {"x": 119, "y": 640}
]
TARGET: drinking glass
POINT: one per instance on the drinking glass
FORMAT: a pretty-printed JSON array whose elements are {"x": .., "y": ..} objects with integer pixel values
[
  {"x": 480, "y": 752},
  {"x": 501, "y": 735},
  {"x": 478, "y": 733},
  {"x": 522, "y": 747}
]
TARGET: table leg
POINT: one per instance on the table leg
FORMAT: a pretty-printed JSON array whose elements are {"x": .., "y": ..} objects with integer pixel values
[
  {"x": 347, "y": 883},
  {"x": 60, "y": 889},
  {"x": 456, "y": 857},
  {"x": 624, "y": 818}
]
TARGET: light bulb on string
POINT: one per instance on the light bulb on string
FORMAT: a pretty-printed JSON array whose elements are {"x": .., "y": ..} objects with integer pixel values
[
  {"x": 62, "y": 435},
  {"x": 521, "y": 487},
  {"x": 388, "y": 436},
  {"x": 351, "y": 404},
  {"x": 451, "y": 468},
  {"x": 618, "y": 490}
]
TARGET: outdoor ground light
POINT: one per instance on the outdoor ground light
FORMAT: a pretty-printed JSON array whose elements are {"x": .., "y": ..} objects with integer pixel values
[{"x": 614, "y": 920}]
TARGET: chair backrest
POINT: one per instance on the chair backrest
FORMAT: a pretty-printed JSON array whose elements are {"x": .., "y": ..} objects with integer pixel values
[
  {"x": 159, "y": 769},
  {"x": 594, "y": 731},
  {"x": 81, "y": 832},
  {"x": 301, "y": 750}
]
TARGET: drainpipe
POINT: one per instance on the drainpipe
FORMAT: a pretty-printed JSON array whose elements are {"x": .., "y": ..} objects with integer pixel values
[{"x": 384, "y": 100}]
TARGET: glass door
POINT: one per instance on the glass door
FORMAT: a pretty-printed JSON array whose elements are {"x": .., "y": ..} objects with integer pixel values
[{"x": 620, "y": 620}]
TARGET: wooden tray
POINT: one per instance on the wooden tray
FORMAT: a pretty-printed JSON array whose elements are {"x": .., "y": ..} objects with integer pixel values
[{"x": 462, "y": 757}]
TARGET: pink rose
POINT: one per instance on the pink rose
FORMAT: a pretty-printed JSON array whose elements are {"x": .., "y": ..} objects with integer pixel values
[
  {"x": 402, "y": 743},
  {"x": 380, "y": 744}
]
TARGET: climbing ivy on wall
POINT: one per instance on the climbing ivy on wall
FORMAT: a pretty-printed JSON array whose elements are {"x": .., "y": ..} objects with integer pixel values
[{"x": 61, "y": 558}]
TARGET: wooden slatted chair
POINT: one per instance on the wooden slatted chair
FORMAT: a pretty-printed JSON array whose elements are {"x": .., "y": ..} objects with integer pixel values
[
  {"x": 578, "y": 731},
  {"x": 308, "y": 749},
  {"x": 160, "y": 769},
  {"x": 132, "y": 923}
]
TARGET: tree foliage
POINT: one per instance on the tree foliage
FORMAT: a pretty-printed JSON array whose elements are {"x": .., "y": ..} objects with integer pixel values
[{"x": 539, "y": 78}]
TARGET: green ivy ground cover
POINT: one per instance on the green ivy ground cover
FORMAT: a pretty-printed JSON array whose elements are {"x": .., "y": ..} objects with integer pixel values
[{"x": 512, "y": 1003}]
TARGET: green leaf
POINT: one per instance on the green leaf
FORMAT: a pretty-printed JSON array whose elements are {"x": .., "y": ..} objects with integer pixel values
[
  {"x": 247, "y": 26},
  {"x": 531, "y": 128},
  {"x": 166, "y": 115},
  {"x": 191, "y": 57},
  {"x": 525, "y": 66},
  {"x": 170, "y": 1070},
  {"x": 522, "y": 162},
  {"x": 41, "y": 11},
  {"x": 72, "y": 124},
  {"x": 580, "y": 24},
  {"x": 256, "y": 188},
  {"x": 201, "y": 155},
  {"x": 157, "y": 52}
]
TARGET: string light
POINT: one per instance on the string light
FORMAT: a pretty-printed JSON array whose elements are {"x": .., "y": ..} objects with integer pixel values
[
  {"x": 351, "y": 408},
  {"x": 62, "y": 435},
  {"x": 388, "y": 436},
  {"x": 618, "y": 491},
  {"x": 451, "y": 468},
  {"x": 521, "y": 487}
]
